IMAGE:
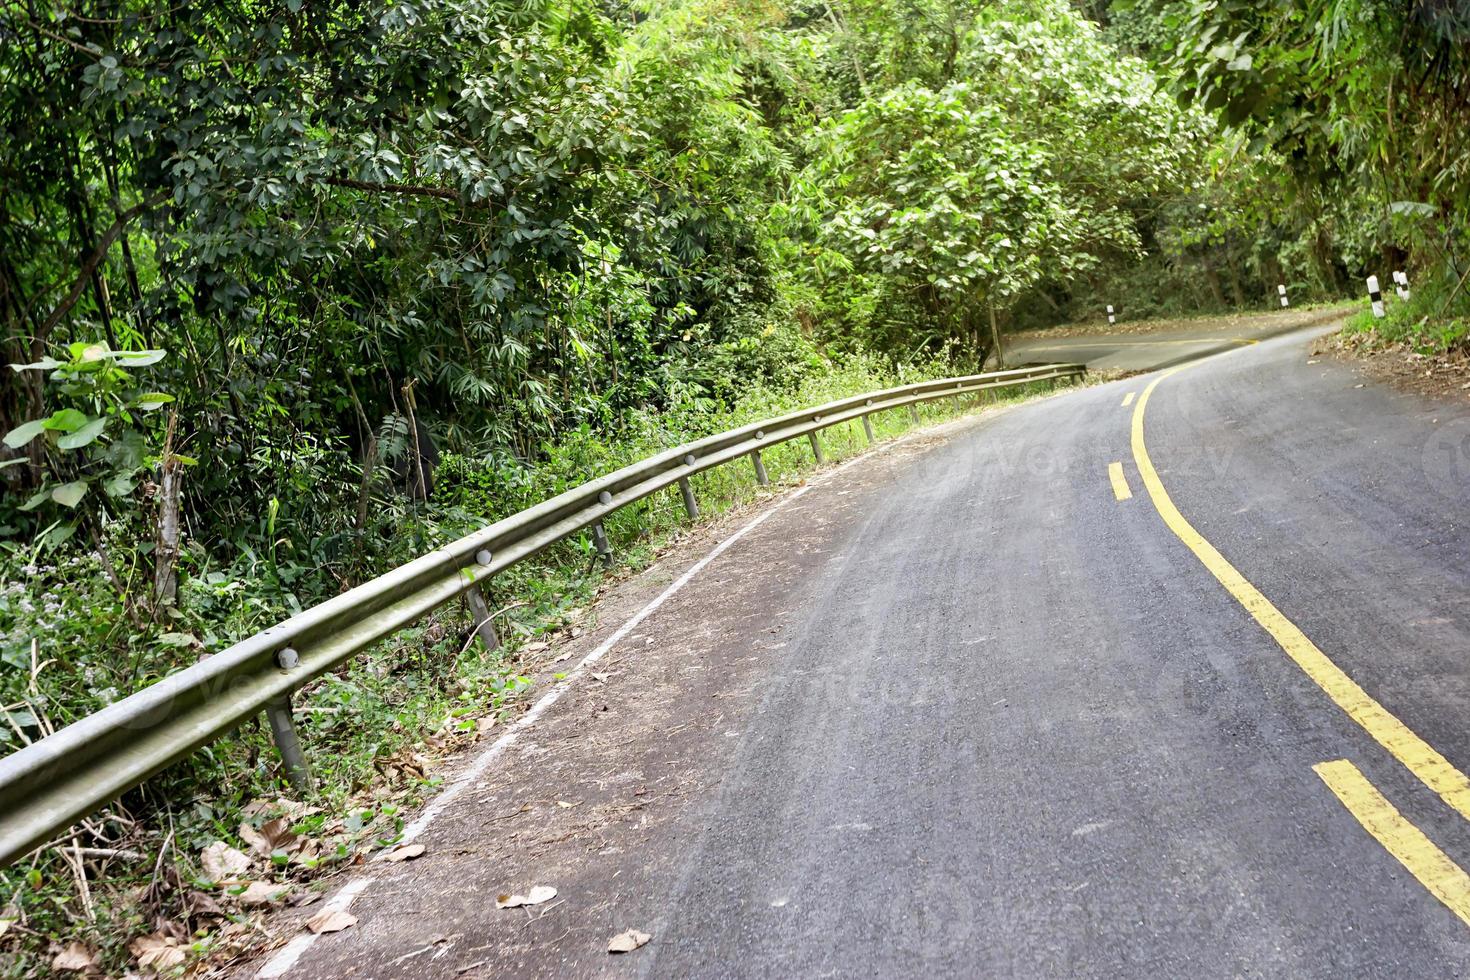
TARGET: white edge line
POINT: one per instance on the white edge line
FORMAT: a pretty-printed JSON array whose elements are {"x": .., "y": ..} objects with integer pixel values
[{"x": 282, "y": 962}]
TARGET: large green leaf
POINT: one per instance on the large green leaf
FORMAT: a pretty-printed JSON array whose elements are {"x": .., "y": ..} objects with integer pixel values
[
  {"x": 66, "y": 420},
  {"x": 84, "y": 436},
  {"x": 24, "y": 433},
  {"x": 138, "y": 358},
  {"x": 70, "y": 494},
  {"x": 153, "y": 400}
]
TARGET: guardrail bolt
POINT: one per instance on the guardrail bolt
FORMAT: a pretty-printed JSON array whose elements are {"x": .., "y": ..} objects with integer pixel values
[
  {"x": 760, "y": 467},
  {"x": 599, "y": 541},
  {"x": 914, "y": 413},
  {"x": 484, "y": 624},
  {"x": 868, "y": 428},
  {"x": 816, "y": 448},
  {"x": 288, "y": 659},
  {"x": 298, "y": 774},
  {"x": 690, "y": 504}
]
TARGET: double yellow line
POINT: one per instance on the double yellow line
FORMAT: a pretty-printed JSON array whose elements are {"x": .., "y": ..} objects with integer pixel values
[{"x": 1446, "y": 880}]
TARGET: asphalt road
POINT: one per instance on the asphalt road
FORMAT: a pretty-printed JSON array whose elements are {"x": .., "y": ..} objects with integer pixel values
[
  {"x": 1151, "y": 348},
  {"x": 962, "y": 711}
]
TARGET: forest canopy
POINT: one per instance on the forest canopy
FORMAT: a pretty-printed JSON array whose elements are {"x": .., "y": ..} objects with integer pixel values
[{"x": 505, "y": 221}]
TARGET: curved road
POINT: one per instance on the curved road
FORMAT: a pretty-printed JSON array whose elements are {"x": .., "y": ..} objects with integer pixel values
[{"x": 961, "y": 710}]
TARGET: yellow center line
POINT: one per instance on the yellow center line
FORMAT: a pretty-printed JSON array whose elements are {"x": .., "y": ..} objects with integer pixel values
[
  {"x": 1445, "y": 879},
  {"x": 1128, "y": 399},
  {"x": 1120, "y": 482},
  {"x": 1433, "y": 769}
]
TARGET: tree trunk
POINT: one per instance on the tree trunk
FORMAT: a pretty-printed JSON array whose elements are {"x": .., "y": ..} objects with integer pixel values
[
  {"x": 1000, "y": 354},
  {"x": 166, "y": 554}
]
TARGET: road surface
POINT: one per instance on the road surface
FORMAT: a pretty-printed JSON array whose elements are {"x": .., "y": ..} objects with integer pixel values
[
  {"x": 1151, "y": 349},
  {"x": 1162, "y": 677}
]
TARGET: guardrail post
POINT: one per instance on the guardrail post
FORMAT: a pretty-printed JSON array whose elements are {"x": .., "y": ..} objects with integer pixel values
[
  {"x": 914, "y": 413},
  {"x": 484, "y": 624},
  {"x": 760, "y": 467},
  {"x": 298, "y": 774},
  {"x": 868, "y": 428},
  {"x": 691, "y": 506},
  {"x": 816, "y": 448},
  {"x": 599, "y": 540}
]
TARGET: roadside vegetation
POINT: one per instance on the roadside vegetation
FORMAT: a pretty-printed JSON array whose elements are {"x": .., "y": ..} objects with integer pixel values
[{"x": 294, "y": 292}]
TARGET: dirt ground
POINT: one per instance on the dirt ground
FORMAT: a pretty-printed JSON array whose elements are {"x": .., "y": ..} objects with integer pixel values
[{"x": 1444, "y": 376}]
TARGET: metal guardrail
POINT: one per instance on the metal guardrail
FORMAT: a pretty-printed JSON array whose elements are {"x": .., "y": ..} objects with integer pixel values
[{"x": 49, "y": 785}]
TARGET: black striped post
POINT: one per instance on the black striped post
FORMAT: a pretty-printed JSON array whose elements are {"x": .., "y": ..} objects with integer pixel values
[
  {"x": 1401, "y": 284},
  {"x": 1281, "y": 291},
  {"x": 1375, "y": 296},
  {"x": 1111, "y": 318}
]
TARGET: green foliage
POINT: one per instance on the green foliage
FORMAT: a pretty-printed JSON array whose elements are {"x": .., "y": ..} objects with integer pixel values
[
  {"x": 925, "y": 205},
  {"x": 1355, "y": 101},
  {"x": 100, "y": 439}
]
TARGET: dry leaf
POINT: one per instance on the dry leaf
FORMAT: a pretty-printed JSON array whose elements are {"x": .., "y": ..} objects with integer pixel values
[
  {"x": 201, "y": 904},
  {"x": 274, "y": 835},
  {"x": 483, "y": 725},
  {"x": 626, "y": 942},
  {"x": 289, "y": 809},
  {"x": 158, "y": 952},
  {"x": 5, "y": 925},
  {"x": 567, "y": 806},
  {"x": 76, "y": 958},
  {"x": 537, "y": 895},
  {"x": 262, "y": 893},
  {"x": 404, "y": 853},
  {"x": 330, "y": 920},
  {"x": 221, "y": 862}
]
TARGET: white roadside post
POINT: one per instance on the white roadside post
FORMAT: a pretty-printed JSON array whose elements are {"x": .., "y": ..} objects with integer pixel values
[
  {"x": 1401, "y": 284},
  {"x": 1375, "y": 296},
  {"x": 1281, "y": 291},
  {"x": 1111, "y": 318}
]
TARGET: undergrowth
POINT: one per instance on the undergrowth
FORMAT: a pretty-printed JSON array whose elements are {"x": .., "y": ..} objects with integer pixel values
[
  {"x": 1435, "y": 319},
  {"x": 172, "y": 878}
]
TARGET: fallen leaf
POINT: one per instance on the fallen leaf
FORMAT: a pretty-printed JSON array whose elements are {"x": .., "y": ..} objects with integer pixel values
[
  {"x": 330, "y": 920},
  {"x": 76, "y": 958},
  {"x": 626, "y": 942},
  {"x": 262, "y": 893},
  {"x": 599, "y": 678},
  {"x": 202, "y": 904},
  {"x": 289, "y": 809},
  {"x": 537, "y": 895},
  {"x": 158, "y": 952},
  {"x": 5, "y": 925},
  {"x": 567, "y": 806},
  {"x": 274, "y": 835},
  {"x": 404, "y": 853},
  {"x": 221, "y": 862},
  {"x": 483, "y": 725}
]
